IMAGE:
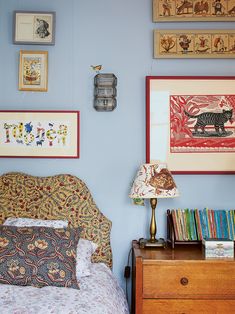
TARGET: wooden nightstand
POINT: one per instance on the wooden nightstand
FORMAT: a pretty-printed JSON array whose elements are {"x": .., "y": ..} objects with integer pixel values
[{"x": 181, "y": 281}]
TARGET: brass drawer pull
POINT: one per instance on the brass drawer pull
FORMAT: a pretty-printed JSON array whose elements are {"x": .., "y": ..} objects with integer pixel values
[{"x": 184, "y": 281}]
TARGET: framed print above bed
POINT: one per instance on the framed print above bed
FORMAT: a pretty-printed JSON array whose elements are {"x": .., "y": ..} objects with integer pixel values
[
  {"x": 34, "y": 28},
  {"x": 39, "y": 134},
  {"x": 190, "y": 123}
]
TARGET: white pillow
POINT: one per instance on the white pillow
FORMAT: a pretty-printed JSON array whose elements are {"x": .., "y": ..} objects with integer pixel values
[
  {"x": 84, "y": 250},
  {"x": 30, "y": 222}
]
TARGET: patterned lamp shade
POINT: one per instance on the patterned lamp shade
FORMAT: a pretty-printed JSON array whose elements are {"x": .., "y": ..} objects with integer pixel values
[{"x": 154, "y": 181}]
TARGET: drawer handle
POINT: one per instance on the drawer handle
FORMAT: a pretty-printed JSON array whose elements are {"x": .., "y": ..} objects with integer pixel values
[{"x": 184, "y": 281}]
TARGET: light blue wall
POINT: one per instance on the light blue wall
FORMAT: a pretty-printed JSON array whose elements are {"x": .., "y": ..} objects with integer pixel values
[{"x": 117, "y": 34}]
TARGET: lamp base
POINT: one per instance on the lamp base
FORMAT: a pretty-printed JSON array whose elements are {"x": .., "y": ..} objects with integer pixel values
[{"x": 159, "y": 243}]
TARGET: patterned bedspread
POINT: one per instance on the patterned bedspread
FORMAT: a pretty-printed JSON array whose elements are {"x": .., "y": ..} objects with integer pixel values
[{"x": 99, "y": 293}]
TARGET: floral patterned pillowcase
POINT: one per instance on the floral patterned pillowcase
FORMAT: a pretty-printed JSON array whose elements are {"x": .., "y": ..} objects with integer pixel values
[
  {"x": 85, "y": 248},
  {"x": 38, "y": 256}
]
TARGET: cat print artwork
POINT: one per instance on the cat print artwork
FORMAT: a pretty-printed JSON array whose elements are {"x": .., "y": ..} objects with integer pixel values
[
  {"x": 218, "y": 119},
  {"x": 202, "y": 123}
]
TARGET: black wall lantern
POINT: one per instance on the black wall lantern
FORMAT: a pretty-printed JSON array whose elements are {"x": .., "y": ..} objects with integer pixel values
[{"x": 105, "y": 92}]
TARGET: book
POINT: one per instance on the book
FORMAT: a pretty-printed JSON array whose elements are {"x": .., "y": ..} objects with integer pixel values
[
  {"x": 198, "y": 225},
  {"x": 174, "y": 218}
]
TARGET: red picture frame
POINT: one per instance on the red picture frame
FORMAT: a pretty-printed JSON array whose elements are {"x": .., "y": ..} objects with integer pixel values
[
  {"x": 39, "y": 134},
  {"x": 190, "y": 123}
]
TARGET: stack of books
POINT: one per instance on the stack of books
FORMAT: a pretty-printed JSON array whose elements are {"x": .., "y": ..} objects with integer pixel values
[
  {"x": 218, "y": 248},
  {"x": 195, "y": 224}
]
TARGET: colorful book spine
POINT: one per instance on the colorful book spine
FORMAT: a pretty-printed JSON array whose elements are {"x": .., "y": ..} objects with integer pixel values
[
  {"x": 194, "y": 232},
  {"x": 233, "y": 215},
  {"x": 214, "y": 224},
  {"x": 173, "y": 215},
  {"x": 229, "y": 225},
  {"x": 188, "y": 223},
  {"x": 178, "y": 212},
  {"x": 218, "y": 235},
  {"x": 198, "y": 225},
  {"x": 224, "y": 225},
  {"x": 211, "y": 224},
  {"x": 205, "y": 224}
]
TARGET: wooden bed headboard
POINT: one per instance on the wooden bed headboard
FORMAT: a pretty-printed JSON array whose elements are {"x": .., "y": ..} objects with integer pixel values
[{"x": 63, "y": 197}]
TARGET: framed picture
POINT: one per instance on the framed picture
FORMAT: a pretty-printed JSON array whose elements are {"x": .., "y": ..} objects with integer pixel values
[
  {"x": 34, "y": 28},
  {"x": 193, "y": 10},
  {"x": 194, "y": 44},
  {"x": 190, "y": 123},
  {"x": 33, "y": 71},
  {"x": 39, "y": 134}
]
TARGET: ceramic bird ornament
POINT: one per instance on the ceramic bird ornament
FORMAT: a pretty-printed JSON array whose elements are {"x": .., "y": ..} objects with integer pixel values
[{"x": 96, "y": 68}]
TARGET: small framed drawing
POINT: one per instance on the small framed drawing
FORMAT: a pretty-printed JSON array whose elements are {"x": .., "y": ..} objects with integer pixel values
[
  {"x": 34, "y": 28},
  {"x": 39, "y": 134},
  {"x": 190, "y": 123},
  {"x": 33, "y": 71}
]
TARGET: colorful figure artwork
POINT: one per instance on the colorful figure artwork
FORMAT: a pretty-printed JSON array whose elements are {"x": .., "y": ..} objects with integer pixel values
[
  {"x": 193, "y": 10},
  {"x": 32, "y": 71},
  {"x": 202, "y": 123},
  {"x": 35, "y": 134},
  {"x": 194, "y": 44}
]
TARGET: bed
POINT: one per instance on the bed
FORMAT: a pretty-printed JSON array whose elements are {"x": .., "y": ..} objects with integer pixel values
[{"x": 61, "y": 198}]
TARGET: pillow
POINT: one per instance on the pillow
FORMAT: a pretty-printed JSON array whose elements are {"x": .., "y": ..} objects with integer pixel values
[
  {"x": 84, "y": 250},
  {"x": 38, "y": 256},
  {"x": 30, "y": 222}
]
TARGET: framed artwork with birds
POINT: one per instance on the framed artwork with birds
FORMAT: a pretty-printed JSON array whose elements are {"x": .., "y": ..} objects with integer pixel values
[{"x": 193, "y": 10}]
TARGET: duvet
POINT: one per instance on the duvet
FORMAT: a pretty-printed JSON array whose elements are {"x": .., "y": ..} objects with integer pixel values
[{"x": 99, "y": 293}]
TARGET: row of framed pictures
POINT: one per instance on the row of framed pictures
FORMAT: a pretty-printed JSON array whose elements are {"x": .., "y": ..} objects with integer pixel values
[{"x": 194, "y": 43}]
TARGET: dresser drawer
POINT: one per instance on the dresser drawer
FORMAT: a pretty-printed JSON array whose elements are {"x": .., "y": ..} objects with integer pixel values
[
  {"x": 189, "y": 279},
  {"x": 188, "y": 306}
]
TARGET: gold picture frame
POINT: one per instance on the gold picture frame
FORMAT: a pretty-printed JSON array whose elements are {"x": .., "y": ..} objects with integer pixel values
[
  {"x": 33, "y": 71},
  {"x": 193, "y": 10},
  {"x": 194, "y": 44}
]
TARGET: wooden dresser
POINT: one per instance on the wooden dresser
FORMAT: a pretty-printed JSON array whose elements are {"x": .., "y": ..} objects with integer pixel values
[{"x": 181, "y": 281}]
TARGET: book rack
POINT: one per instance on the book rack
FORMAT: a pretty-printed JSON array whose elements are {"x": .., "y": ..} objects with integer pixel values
[{"x": 171, "y": 239}]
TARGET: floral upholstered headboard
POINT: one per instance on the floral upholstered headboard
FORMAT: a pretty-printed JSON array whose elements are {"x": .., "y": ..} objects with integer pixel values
[{"x": 63, "y": 197}]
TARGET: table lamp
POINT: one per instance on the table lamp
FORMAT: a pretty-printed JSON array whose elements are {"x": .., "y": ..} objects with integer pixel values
[{"x": 153, "y": 181}]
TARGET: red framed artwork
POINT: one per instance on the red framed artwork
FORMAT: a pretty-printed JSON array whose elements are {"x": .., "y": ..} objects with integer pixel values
[
  {"x": 190, "y": 123},
  {"x": 39, "y": 134}
]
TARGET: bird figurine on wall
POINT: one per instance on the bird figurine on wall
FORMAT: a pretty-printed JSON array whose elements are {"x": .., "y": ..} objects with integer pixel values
[{"x": 96, "y": 68}]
